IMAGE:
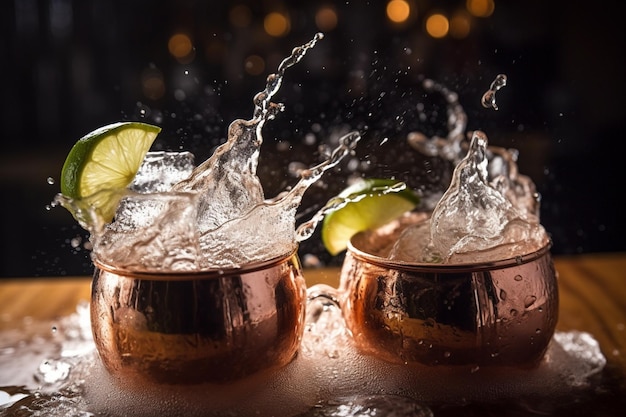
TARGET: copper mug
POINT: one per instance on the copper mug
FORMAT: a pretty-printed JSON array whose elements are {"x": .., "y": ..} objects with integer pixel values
[
  {"x": 501, "y": 313},
  {"x": 212, "y": 326}
]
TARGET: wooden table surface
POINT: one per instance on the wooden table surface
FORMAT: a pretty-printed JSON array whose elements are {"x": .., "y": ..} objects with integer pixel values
[{"x": 592, "y": 291}]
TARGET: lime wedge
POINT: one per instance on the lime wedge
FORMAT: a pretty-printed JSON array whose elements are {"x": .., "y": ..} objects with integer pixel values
[
  {"x": 371, "y": 203},
  {"x": 102, "y": 164}
]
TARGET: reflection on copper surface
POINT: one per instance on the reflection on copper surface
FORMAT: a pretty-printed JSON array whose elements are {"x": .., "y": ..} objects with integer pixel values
[
  {"x": 500, "y": 313},
  {"x": 198, "y": 327}
]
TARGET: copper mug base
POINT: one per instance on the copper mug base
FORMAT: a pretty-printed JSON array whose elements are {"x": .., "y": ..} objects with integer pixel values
[
  {"x": 188, "y": 328},
  {"x": 501, "y": 313}
]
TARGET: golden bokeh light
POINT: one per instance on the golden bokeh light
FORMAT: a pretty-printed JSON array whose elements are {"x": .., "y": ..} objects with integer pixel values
[
  {"x": 215, "y": 51},
  {"x": 276, "y": 24},
  {"x": 180, "y": 46},
  {"x": 326, "y": 18},
  {"x": 254, "y": 65},
  {"x": 437, "y": 25},
  {"x": 398, "y": 11},
  {"x": 240, "y": 16},
  {"x": 152, "y": 84},
  {"x": 480, "y": 8},
  {"x": 460, "y": 26}
]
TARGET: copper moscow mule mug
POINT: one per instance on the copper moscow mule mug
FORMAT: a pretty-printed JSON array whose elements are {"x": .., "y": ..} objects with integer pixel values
[
  {"x": 491, "y": 313},
  {"x": 210, "y": 326}
]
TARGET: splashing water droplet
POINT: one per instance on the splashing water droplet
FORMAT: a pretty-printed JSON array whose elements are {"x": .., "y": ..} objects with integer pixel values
[
  {"x": 211, "y": 217},
  {"x": 489, "y": 98},
  {"x": 305, "y": 230},
  {"x": 76, "y": 242}
]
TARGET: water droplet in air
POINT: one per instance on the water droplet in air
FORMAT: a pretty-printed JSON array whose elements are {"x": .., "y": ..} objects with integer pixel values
[
  {"x": 50, "y": 180},
  {"x": 76, "y": 242},
  {"x": 489, "y": 98}
]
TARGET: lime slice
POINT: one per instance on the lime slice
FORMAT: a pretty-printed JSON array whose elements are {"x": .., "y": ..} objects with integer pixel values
[
  {"x": 371, "y": 203},
  {"x": 102, "y": 164}
]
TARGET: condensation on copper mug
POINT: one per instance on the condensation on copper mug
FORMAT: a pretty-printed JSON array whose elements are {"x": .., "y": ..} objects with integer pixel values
[
  {"x": 214, "y": 326},
  {"x": 497, "y": 313}
]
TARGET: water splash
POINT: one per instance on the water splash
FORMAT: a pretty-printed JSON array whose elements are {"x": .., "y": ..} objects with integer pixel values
[
  {"x": 306, "y": 229},
  {"x": 274, "y": 220},
  {"x": 215, "y": 217},
  {"x": 489, "y": 98},
  {"x": 227, "y": 181},
  {"x": 474, "y": 215},
  {"x": 489, "y": 210},
  {"x": 450, "y": 147}
]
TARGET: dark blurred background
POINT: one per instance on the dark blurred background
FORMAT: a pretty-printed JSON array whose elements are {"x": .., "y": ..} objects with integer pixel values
[{"x": 68, "y": 67}]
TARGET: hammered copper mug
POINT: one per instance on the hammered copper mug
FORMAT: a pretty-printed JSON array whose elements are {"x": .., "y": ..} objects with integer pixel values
[
  {"x": 500, "y": 313},
  {"x": 211, "y": 326}
]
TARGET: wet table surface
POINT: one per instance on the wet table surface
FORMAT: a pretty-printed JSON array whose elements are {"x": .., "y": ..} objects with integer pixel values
[{"x": 592, "y": 299}]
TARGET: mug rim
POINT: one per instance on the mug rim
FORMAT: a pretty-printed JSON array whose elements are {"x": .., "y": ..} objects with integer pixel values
[
  {"x": 445, "y": 267},
  {"x": 196, "y": 274}
]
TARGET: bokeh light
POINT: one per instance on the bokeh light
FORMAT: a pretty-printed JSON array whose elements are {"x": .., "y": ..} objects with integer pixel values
[
  {"x": 152, "y": 83},
  {"x": 254, "y": 65},
  {"x": 460, "y": 25},
  {"x": 277, "y": 24},
  {"x": 326, "y": 18},
  {"x": 181, "y": 47},
  {"x": 398, "y": 11},
  {"x": 240, "y": 16},
  {"x": 480, "y": 8},
  {"x": 215, "y": 50},
  {"x": 437, "y": 25}
]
